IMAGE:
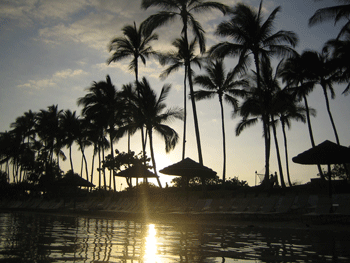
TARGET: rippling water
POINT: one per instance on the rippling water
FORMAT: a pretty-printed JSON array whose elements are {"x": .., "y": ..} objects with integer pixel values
[{"x": 30, "y": 237}]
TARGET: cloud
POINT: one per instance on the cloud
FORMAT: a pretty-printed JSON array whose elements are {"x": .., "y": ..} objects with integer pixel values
[{"x": 54, "y": 80}]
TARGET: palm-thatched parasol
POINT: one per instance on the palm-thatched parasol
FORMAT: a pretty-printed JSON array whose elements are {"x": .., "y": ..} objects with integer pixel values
[
  {"x": 188, "y": 168},
  {"x": 325, "y": 153},
  {"x": 136, "y": 171},
  {"x": 74, "y": 180}
]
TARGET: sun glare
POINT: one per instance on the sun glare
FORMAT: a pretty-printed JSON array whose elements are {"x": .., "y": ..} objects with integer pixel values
[{"x": 151, "y": 245}]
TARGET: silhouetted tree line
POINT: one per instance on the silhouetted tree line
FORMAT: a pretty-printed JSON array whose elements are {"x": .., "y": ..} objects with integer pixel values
[{"x": 33, "y": 148}]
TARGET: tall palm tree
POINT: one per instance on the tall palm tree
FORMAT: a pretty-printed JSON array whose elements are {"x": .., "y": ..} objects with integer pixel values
[
  {"x": 102, "y": 104},
  {"x": 134, "y": 44},
  {"x": 294, "y": 72},
  {"x": 256, "y": 106},
  {"x": 288, "y": 112},
  {"x": 47, "y": 127},
  {"x": 217, "y": 82},
  {"x": 83, "y": 141},
  {"x": 177, "y": 59},
  {"x": 335, "y": 13},
  {"x": 154, "y": 115},
  {"x": 323, "y": 72},
  {"x": 184, "y": 9},
  {"x": 252, "y": 36},
  {"x": 340, "y": 51},
  {"x": 24, "y": 131},
  {"x": 69, "y": 124}
]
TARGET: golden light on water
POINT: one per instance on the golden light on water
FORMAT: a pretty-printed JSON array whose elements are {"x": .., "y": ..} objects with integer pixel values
[{"x": 151, "y": 248}]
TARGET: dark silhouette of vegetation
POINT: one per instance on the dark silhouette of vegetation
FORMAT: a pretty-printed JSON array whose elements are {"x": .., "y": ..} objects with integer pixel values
[{"x": 32, "y": 150}]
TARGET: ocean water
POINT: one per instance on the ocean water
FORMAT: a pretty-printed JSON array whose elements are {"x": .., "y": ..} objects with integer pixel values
[{"x": 35, "y": 237}]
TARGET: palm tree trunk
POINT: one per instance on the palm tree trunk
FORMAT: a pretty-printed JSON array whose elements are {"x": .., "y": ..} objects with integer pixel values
[
  {"x": 104, "y": 169},
  {"x": 86, "y": 165},
  {"x": 99, "y": 166},
  {"x": 92, "y": 166},
  {"x": 330, "y": 115},
  {"x": 152, "y": 155},
  {"x": 283, "y": 185},
  {"x": 223, "y": 141},
  {"x": 112, "y": 155},
  {"x": 70, "y": 158},
  {"x": 138, "y": 94},
  {"x": 266, "y": 181},
  {"x": 189, "y": 74},
  {"x": 195, "y": 118},
  {"x": 185, "y": 116},
  {"x": 286, "y": 151},
  {"x": 311, "y": 133}
]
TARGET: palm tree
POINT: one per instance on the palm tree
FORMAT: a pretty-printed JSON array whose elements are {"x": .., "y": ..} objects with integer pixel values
[
  {"x": 83, "y": 141},
  {"x": 323, "y": 72},
  {"x": 154, "y": 114},
  {"x": 217, "y": 82},
  {"x": 103, "y": 105},
  {"x": 290, "y": 111},
  {"x": 177, "y": 59},
  {"x": 134, "y": 44},
  {"x": 339, "y": 50},
  {"x": 24, "y": 131},
  {"x": 251, "y": 35},
  {"x": 184, "y": 9},
  {"x": 256, "y": 106},
  {"x": 295, "y": 73},
  {"x": 69, "y": 124},
  {"x": 335, "y": 13}
]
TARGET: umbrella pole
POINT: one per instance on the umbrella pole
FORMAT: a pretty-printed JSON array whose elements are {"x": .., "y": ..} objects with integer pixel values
[{"x": 330, "y": 180}]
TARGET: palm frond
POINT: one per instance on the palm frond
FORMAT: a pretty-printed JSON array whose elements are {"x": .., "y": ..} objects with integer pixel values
[{"x": 245, "y": 123}]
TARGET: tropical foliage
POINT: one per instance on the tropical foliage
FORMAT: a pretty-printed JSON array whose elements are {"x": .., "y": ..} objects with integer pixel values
[{"x": 36, "y": 144}]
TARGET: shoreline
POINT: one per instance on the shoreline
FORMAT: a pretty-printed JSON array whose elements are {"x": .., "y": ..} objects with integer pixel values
[{"x": 196, "y": 211}]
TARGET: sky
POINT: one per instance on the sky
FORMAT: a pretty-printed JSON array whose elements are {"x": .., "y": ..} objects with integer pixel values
[{"x": 52, "y": 50}]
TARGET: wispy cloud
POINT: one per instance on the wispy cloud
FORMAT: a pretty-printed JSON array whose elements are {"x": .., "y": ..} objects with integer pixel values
[{"x": 54, "y": 80}]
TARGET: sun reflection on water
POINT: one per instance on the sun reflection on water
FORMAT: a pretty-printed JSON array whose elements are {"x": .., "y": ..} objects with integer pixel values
[{"x": 151, "y": 248}]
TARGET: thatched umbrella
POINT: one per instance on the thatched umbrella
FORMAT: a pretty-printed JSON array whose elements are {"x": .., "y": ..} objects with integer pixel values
[
  {"x": 137, "y": 171},
  {"x": 326, "y": 153},
  {"x": 188, "y": 168},
  {"x": 74, "y": 180}
]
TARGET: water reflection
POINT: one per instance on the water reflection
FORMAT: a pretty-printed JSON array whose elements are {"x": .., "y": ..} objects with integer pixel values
[
  {"x": 151, "y": 248},
  {"x": 26, "y": 237}
]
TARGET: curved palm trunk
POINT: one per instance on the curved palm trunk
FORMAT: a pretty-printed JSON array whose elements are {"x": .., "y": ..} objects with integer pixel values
[
  {"x": 143, "y": 140},
  {"x": 286, "y": 151},
  {"x": 189, "y": 74},
  {"x": 152, "y": 155},
  {"x": 185, "y": 116},
  {"x": 86, "y": 165},
  {"x": 92, "y": 165},
  {"x": 99, "y": 167},
  {"x": 111, "y": 171},
  {"x": 266, "y": 181},
  {"x": 283, "y": 185},
  {"x": 70, "y": 158},
  {"x": 104, "y": 169},
  {"x": 330, "y": 114},
  {"x": 223, "y": 141},
  {"x": 311, "y": 133},
  {"x": 195, "y": 118},
  {"x": 333, "y": 124}
]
